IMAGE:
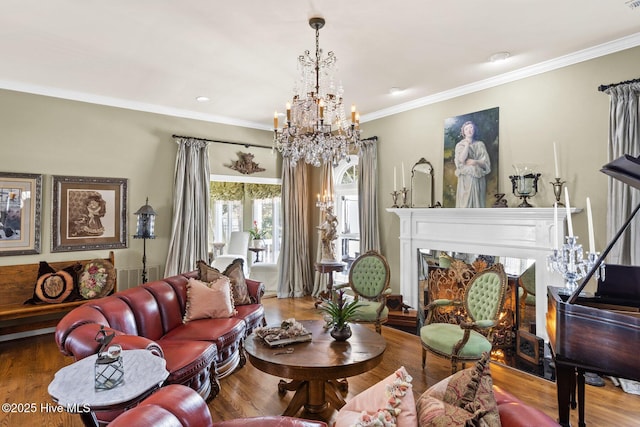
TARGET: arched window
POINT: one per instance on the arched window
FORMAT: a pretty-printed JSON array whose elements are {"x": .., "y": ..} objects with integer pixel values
[{"x": 346, "y": 198}]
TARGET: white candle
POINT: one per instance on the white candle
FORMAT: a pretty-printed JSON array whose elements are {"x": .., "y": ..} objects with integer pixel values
[
  {"x": 555, "y": 225},
  {"x": 395, "y": 186},
  {"x": 403, "y": 184},
  {"x": 568, "y": 206},
  {"x": 592, "y": 244},
  {"x": 555, "y": 159}
]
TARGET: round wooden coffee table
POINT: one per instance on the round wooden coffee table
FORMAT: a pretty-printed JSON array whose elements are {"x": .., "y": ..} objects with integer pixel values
[{"x": 315, "y": 367}]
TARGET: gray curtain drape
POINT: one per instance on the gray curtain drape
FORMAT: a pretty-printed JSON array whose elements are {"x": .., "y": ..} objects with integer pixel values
[
  {"x": 294, "y": 277},
  {"x": 368, "y": 196},
  {"x": 188, "y": 242},
  {"x": 624, "y": 138},
  {"x": 320, "y": 280}
]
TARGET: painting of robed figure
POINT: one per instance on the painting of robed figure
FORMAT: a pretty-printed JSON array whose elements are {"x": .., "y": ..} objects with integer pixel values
[{"x": 471, "y": 159}]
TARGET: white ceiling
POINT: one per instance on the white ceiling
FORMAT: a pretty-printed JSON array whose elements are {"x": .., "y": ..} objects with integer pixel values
[{"x": 159, "y": 55}]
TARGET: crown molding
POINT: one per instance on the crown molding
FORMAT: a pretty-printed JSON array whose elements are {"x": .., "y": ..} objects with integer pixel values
[
  {"x": 126, "y": 104},
  {"x": 563, "y": 61},
  {"x": 542, "y": 67}
]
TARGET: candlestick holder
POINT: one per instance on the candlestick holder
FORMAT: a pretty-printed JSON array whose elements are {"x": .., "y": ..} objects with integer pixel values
[
  {"x": 557, "y": 189},
  {"x": 325, "y": 203},
  {"x": 570, "y": 262},
  {"x": 394, "y": 195},
  {"x": 404, "y": 192}
]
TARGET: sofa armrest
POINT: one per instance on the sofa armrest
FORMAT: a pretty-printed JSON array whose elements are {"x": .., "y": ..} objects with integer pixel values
[
  {"x": 515, "y": 413},
  {"x": 81, "y": 342},
  {"x": 256, "y": 290},
  {"x": 173, "y": 404},
  {"x": 135, "y": 342}
]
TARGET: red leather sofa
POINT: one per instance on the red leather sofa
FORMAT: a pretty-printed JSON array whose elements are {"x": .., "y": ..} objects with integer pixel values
[
  {"x": 176, "y": 405},
  {"x": 149, "y": 316}
]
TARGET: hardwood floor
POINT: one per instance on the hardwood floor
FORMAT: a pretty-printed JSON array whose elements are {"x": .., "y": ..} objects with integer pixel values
[{"x": 28, "y": 365}]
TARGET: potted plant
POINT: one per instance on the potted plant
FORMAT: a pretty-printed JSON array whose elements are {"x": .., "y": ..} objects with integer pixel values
[
  {"x": 257, "y": 235},
  {"x": 339, "y": 312}
]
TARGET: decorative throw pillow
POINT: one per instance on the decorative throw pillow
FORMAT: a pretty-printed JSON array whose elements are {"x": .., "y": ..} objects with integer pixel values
[
  {"x": 389, "y": 402},
  {"x": 55, "y": 286},
  {"x": 97, "y": 279},
  {"x": 208, "y": 300},
  {"x": 206, "y": 273},
  {"x": 470, "y": 389},
  {"x": 433, "y": 412},
  {"x": 235, "y": 273}
]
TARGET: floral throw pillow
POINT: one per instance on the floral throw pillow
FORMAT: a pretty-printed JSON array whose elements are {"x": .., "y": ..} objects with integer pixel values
[{"x": 97, "y": 279}]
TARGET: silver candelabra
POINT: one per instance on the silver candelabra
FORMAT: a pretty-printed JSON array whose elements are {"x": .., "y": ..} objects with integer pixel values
[{"x": 570, "y": 262}]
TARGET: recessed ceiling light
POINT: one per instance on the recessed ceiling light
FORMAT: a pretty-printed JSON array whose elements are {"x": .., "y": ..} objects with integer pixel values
[
  {"x": 395, "y": 90},
  {"x": 202, "y": 99},
  {"x": 499, "y": 56}
]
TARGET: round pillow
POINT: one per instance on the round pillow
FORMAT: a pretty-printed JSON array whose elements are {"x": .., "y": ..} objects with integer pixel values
[
  {"x": 54, "y": 287},
  {"x": 97, "y": 279}
]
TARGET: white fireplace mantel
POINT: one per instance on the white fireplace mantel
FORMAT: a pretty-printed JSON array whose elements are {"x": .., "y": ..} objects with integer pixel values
[{"x": 527, "y": 233}]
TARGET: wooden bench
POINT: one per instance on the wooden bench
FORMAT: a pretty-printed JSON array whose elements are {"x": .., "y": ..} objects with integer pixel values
[{"x": 17, "y": 283}]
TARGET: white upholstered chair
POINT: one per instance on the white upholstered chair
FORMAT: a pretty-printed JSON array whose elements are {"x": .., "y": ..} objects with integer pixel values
[{"x": 238, "y": 247}]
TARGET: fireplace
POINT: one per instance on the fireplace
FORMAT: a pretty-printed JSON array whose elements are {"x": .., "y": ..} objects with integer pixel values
[{"x": 526, "y": 233}]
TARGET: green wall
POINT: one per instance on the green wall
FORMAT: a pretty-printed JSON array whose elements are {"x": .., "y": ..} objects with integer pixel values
[{"x": 52, "y": 136}]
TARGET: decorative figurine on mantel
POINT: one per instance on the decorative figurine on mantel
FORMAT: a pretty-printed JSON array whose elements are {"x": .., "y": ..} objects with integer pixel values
[{"x": 328, "y": 235}]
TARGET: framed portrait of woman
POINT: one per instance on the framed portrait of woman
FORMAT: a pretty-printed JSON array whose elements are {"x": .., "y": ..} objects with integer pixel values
[
  {"x": 470, "y": 169},
  {"x": 88, "y": 213}
]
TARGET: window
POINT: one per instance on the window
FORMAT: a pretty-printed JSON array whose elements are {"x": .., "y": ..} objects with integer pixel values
[
  {"x": 236, "y": 206},
  {"x": 347, "y": 211},
  {"x": 266, "y": 214}
]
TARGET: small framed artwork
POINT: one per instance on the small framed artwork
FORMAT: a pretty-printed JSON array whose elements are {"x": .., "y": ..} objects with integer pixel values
[
  {"x": 470, "y": 177},
  {"x": 88, "y": 213},
  {"x": 20, "y": 208}
]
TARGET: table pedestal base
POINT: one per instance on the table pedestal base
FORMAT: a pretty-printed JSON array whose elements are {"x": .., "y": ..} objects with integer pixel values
[{"x": 314, "y": 395}]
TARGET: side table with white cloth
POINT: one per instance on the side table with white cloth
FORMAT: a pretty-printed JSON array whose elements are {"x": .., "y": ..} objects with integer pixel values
[{"x": 73, "y": 386}]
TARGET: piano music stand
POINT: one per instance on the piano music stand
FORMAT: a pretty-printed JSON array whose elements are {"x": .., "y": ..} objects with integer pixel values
[{"x": 627, "y": 170}]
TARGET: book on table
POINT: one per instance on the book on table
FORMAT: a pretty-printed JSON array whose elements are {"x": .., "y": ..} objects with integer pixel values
[
  {"x": 275, "y": 341},
  {"x": 277, "y": 336}
]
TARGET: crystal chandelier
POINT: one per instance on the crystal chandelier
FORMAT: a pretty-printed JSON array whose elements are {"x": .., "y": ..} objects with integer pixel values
[{"x": 316, "y": 130}]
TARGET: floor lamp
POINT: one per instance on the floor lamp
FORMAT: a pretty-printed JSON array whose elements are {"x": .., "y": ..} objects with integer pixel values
[{"x": 145, "y": 230}]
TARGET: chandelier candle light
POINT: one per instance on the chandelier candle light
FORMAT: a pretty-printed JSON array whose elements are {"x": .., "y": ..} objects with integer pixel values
[
  {"x": 569, "y": 260},
  {"x": 317, "y": 130}
]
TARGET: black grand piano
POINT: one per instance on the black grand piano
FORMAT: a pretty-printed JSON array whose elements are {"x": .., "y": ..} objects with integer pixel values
[{"x": 599, "y": 334}]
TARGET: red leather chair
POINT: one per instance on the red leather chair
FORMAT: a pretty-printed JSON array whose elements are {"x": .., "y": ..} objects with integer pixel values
[
  {"x": 177, "y": 405},
  {"x": 515, "y": 413}
]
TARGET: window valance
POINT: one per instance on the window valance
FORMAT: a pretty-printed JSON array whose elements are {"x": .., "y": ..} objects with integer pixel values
[{"x": 237, "y": 190}]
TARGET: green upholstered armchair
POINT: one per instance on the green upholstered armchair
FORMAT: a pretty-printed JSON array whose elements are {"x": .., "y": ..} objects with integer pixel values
[
  {"x": 466, "y": 341},
  {"x": 369, "y": 282}
]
